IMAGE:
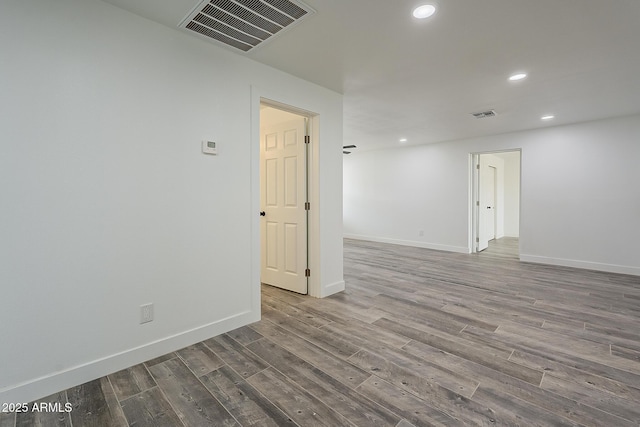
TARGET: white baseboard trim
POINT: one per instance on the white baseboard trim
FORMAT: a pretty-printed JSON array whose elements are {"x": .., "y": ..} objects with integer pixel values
[
  {"x": 414, "y": 243},
  {"x": 38, "y": 388},
  {"x": 587, "y": 265},
  {"x": 333, "y": 288}
]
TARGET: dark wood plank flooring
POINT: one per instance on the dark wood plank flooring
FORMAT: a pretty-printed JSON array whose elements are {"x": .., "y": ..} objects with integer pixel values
[{"x": 419, "y": 338}]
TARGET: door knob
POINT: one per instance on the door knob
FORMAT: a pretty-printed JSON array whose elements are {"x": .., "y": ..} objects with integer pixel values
[{"x": 263, "y": 213}]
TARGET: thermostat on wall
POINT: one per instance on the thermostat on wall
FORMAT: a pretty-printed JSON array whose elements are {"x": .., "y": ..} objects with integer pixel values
[{"x": 209, "y": 147}]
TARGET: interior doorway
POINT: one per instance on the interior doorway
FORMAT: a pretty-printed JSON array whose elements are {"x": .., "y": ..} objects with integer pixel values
[
  {"x": 488, "y": 201},
  {"x": 495, "y": 202},
  {"x": 284, "y": 198}
]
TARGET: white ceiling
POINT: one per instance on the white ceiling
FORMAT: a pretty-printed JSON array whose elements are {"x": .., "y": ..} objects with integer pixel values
[{"x": 420, "y": 80}]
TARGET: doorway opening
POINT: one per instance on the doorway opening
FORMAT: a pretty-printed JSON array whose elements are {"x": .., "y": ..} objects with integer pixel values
[
  {"x": 285, "y": 195},
  {"x": 495, "y": 202}
]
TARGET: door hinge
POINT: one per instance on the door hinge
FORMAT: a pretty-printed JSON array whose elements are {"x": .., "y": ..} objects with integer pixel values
[
  {"x": 307, "y": 139},
  {"x": 307, "y": 273},
  {"x": 307, "y": 206},
  {"x": 478, "y": 166},
  {"x": 477, "y": 240},
  {"x": 478, "y": 203}
]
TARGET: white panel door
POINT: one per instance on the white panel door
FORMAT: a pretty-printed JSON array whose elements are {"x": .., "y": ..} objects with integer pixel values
[
  {"x": 491, "y": 203},
  {"x": 486, "y": 209},
  {"x": 282, "y": 198}
]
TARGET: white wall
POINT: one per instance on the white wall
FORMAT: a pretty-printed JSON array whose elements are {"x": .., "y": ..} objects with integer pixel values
[
  {"x": 108, "y": 203},
  {"x": 580, "y": 203},
  {"x": 398, "y": 194},
  {"x": 511, "y": 192}
]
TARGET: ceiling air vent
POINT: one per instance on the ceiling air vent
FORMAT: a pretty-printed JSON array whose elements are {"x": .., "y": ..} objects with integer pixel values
[
  {"x": 484, "y": 114},
  {"x": 244, "y": 24}
]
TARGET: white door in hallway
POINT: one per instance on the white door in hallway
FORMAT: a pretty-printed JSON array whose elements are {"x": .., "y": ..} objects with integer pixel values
[
  {"x": 487, "y": 205},
  {"x": 283, "y": 193},
  {"x": 491, "y": 203}
]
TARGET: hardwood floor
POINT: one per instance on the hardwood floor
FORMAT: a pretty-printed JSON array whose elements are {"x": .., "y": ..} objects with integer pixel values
[{"x": 419, "y": 338}]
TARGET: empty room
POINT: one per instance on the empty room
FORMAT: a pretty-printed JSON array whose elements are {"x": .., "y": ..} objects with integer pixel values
[{"x": 319, "y": 213}]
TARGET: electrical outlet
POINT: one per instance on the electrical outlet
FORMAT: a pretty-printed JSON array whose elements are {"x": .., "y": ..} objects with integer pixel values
[{"x": 146, "y": 313}]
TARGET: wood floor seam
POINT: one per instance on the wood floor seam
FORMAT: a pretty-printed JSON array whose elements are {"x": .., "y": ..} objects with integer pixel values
[
  {"x": 474, "y": 390},
  {"x": 161, "y": 391},
  {"x": 66, "y": 395},
  {"x": 199, "y": 378}
]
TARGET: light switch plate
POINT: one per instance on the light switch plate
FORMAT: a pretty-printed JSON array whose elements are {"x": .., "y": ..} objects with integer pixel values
[{"x": 146, "y": 313}]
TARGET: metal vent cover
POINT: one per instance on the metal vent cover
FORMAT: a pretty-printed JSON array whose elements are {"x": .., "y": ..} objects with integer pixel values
[
  {"x": 244, "y": 24},
  {"x": 484, "y": 114}
]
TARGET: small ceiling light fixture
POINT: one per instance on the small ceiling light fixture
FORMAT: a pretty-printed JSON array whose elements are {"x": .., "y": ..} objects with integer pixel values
[
  {"x": 547, "y": 117},
  {"x": 424, "y": 11},
  {"x": 403, "y": 139},
  {"x": 518, "y": 76}
]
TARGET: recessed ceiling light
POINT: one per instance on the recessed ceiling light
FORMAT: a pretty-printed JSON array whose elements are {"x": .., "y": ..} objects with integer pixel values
[
  {"x": 547, "y": 117},
  {"x": 518, "y": 76},
  {"x": 424, "y": 11},
  {"x": 403, "y": 140}
]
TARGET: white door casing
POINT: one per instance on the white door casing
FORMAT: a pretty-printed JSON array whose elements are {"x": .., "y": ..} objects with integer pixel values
[{"x": 283, "y": 193}]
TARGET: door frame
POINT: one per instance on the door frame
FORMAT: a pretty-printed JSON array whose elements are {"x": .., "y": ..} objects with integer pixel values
[
  {"x": 474, "y": 196},
  {"x": 304, "y": 184},
  {"x": 313, "y": 225}
]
